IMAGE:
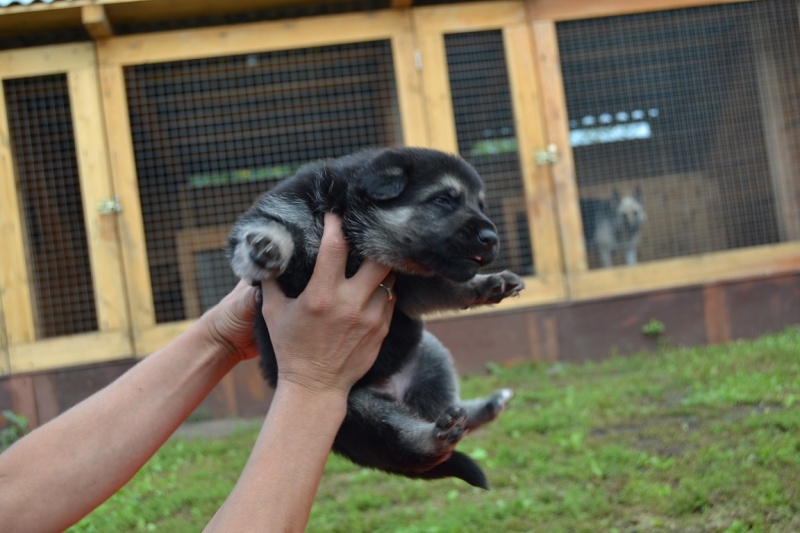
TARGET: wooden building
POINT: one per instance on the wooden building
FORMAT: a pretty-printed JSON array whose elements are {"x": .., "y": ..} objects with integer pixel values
[{"x": 133, "y": 132}]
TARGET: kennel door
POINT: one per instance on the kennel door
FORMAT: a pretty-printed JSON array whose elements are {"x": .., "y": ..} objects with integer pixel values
[
  {"x": 64, "y": 301},
  {"x": 209, "y": 128},
  {"x": 481, "y": 93}
]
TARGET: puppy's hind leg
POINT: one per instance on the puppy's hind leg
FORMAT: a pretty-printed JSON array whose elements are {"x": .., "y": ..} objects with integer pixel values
[
  {"x": 433, "y": 387},
  {"x": 482, "y": 410},
  {"x": 379, "y": 432}
]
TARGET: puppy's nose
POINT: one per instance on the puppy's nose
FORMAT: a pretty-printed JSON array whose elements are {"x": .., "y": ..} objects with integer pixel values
[{"x": 487, "y": 238}]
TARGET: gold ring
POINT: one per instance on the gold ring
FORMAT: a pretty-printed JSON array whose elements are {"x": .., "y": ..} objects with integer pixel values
[{"x": 389, "y": 293}]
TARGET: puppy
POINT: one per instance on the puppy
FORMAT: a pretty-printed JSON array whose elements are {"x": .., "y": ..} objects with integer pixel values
[
  {"x": 612, "y": 224},
  {"x": 419, "y": 212}
]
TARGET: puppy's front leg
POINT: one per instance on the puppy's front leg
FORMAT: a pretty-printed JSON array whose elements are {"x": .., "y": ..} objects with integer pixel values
[
  {"x": 424, "y": 295},
  {"x": 259, "y": 248}
]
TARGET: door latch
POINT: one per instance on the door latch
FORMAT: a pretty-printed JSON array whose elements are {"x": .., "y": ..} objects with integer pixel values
[
  {"x": 110, "y": 206},
  {"x": 549, "y": 156}
]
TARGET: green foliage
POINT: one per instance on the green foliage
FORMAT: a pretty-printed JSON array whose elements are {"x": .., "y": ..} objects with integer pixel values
[
  {"x": 15, "y": 428},
  {"x": 654, "y": 329},
  {"x": 700, "y": 439}
]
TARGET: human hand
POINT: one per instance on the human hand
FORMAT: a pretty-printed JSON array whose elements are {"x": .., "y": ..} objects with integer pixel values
[
  {"x": 229, "y": 324},
  {"x": 329, "y": 337}
]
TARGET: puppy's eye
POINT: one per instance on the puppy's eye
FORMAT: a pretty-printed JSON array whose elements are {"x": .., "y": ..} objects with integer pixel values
[{"x": 444, "y": 200}]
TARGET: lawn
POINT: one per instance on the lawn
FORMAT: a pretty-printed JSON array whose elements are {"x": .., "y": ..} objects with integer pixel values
[{"x": 701, "y": 439}]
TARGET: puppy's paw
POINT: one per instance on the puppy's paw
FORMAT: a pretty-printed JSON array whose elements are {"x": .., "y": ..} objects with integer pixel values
[
  {"x": 449, "y": 428},
  {"x": 494, "y": 288},
  {"x": 498, "y": 401},
  {"x": 262, "y": 250}
]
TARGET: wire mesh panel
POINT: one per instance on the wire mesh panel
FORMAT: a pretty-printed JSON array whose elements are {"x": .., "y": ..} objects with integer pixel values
[
  {"x": 484, "y": 119},
  {"x": 210, "y": 135},
  {"x": 684, "y": 129},
  {"x": 43, "y": 147}
]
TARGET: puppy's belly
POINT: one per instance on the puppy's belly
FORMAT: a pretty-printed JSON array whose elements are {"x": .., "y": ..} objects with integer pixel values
[{"x": 398, "y": 384}]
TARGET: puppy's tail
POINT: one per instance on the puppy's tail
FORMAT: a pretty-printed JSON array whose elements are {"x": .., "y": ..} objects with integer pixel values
[{"x": 461, "y": 467}]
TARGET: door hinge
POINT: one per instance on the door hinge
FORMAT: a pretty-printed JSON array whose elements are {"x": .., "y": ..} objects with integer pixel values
[
  {"x": 549, "y": 156},
  {"x": 110, "y": 206}
]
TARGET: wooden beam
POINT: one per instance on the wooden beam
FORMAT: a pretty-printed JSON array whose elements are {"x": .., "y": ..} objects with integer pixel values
[
  {"x": 15, "y": 285},
  {"x": 409, "y": 89},
  {"x": 45, "y": 60},
  {"x": 95, "y": 180},
  {"x": 432, "y": 61},
  {"x": 130, "y": 222},
  {"x": 250, "y": 38},
  {"x": 58, "y": 352},
  {"x": 559, "y": 10},
  {"x": 745, "y": 263},
  {"x": 468, "y": 17},
  {"x": 96, "y": 22},
  {"x": 554, "y": 104},
  {"x": 401, "y": 4},
  {"x": 531, "y": 136}
]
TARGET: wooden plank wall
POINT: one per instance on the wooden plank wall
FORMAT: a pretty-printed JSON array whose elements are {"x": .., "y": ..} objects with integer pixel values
[{"x": 692, "y": 316}]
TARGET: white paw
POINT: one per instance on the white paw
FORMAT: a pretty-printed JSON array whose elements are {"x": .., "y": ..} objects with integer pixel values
[{"x": 263, "y": 251}]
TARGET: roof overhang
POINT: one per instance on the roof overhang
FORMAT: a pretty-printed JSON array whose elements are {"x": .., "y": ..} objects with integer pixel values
[{"x": 100, "y": 17}]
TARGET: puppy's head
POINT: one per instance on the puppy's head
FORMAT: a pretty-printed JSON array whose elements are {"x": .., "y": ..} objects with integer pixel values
[
  {"x": 630, "y": 210},
  {"x": 421, "y": 212}
]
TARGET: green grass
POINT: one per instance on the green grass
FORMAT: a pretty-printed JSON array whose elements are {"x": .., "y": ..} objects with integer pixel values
[{"x": 704, "y": 439}]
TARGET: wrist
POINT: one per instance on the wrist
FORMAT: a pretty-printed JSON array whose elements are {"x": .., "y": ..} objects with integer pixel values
[
  {"x": 212, "y": 338},
  {"x": 332, "y": 400}
]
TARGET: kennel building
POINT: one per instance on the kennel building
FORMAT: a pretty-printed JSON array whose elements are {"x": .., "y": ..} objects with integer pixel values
[{"x": 133, "y": 132}]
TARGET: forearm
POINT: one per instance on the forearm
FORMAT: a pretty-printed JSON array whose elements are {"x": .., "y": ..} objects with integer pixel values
[
  {"x": 277, "y": 487},
  {"x": 85, "y": 455}
]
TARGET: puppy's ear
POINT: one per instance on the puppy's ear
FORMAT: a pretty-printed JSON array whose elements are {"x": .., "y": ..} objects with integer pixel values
[{"x": 385, "y": 177}]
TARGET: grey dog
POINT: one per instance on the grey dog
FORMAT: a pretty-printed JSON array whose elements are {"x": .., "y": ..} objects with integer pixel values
[
  {"x": 419, "y": 212},
  {"x": 614, "y": 224}
]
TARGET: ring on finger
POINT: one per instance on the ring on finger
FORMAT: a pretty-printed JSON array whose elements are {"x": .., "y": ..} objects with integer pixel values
[{"x": 389, "y": 293}]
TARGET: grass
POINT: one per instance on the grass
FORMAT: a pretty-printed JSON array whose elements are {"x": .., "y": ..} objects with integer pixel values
[{"x": 701, "y": 439}]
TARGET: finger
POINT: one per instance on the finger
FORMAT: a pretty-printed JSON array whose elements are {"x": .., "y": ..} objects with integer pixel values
[
  {"x": 332, "y": 257},
  {"x": 272, "y": 296},
  {"x": 383, "y": 295},
  {"x": 370, "y": 275}
]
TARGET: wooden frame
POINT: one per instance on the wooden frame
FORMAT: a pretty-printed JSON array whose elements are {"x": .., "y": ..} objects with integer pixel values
[{"x": 111, "y": 341}]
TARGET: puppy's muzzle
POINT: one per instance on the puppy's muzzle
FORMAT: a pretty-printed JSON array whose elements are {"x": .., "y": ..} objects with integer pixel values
[{"x": 488, "y": 239}]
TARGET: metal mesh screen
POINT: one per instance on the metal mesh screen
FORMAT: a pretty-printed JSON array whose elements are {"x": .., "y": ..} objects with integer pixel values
[
  {"x": 210, "y": 135},
  {"x": 692, "y": 115},
  {"x": 484, "y": 120},
  {"x": 43, "y": 145}
]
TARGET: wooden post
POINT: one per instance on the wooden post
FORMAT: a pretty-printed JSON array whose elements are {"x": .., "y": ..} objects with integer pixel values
[
  {"x": 531, "y": 136},
  {"x": 15, "y": 283},
  {"x": 556, "y": 121}
]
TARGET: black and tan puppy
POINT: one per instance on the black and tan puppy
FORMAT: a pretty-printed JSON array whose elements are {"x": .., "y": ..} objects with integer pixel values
[{"x": 420, "y": 212}]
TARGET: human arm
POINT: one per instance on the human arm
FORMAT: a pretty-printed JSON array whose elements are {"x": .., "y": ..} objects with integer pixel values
[
  {"x": 61, "y": 471},
  {"x": 324, "y": 341}
]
